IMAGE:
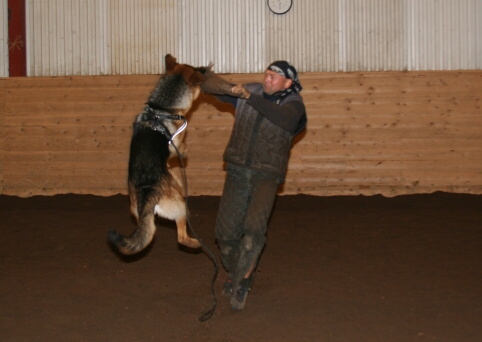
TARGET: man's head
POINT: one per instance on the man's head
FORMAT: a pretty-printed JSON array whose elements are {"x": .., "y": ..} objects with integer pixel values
[{"x": 281, "y": 76}]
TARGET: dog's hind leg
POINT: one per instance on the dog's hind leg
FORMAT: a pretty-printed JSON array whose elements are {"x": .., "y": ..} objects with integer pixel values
[
  {"x": 175, "y": 209},
  {"x": 133, "y": 202},
  {"x": 182, "y": 236}
]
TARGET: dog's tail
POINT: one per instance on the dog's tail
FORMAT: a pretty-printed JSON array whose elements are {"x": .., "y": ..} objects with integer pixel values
[{"x": 141, "y": 237}]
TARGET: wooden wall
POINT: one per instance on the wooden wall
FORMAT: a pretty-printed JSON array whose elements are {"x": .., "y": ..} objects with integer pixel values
[{"x": 387, "y": 133}]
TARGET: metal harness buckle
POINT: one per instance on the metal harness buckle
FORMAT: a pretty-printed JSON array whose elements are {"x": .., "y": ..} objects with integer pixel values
[{"x": 159, "y": 115}]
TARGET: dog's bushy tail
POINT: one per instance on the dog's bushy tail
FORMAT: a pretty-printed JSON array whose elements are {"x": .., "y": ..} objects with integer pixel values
[{"x": 141, "y": 237}]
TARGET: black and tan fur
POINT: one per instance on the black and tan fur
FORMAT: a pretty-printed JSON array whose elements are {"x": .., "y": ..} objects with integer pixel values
[{"x": 155, "y": 186}]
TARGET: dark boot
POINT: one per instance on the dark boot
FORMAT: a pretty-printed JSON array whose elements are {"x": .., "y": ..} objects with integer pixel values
[{"x": 238, "y": 298}]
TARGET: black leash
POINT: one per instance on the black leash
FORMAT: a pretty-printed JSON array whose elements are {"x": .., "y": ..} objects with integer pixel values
[{"x": 208, "y": 314}]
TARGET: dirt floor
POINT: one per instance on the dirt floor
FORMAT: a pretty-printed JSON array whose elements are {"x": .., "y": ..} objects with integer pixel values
[{"x": 356, "y": 268}]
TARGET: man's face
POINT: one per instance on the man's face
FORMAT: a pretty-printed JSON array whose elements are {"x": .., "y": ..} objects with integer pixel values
[{"x": 274, "y": 82}]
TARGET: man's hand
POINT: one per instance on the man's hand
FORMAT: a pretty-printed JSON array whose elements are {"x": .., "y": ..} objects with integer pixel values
[{"x": 241, "y": 92}]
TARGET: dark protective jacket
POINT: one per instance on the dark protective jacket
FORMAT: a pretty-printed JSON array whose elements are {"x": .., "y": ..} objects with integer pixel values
[{"x": 263, "y": 131}]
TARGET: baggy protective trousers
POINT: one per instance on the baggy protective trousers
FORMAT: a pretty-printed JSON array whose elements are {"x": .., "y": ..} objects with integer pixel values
[{"x": 242, "y": 220}]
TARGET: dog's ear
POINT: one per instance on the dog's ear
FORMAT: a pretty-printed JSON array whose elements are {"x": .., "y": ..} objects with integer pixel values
[
  {"x": 197, "y": 78},
  {"x": 170, "y": 63},
  {"x": 191, "y": 76}
]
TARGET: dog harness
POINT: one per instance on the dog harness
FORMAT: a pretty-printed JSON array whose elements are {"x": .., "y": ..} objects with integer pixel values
[{"x": 154, "y": 117}]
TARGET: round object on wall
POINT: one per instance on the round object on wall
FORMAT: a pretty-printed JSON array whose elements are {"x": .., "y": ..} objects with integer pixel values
[{"x": 280, "y": 6}]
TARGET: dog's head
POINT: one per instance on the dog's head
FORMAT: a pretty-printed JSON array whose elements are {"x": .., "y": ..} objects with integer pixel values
[{"x": 178, "y": 87}]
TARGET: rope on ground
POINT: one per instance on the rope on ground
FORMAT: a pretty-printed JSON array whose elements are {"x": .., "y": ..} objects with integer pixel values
[{"x": 209, "y": 313}]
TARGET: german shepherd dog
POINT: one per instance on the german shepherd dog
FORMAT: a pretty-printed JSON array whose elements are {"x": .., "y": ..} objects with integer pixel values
[{"x": 156, "y": 185}]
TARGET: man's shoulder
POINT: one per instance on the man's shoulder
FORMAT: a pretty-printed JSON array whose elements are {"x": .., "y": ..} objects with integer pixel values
[{"x": 293, "y": 97}]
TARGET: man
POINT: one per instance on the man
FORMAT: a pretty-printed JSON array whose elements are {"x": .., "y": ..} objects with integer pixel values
[{"x": 268, "y": 116}]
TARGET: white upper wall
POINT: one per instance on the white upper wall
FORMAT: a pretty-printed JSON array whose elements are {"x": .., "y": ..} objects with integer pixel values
[
  {"x": 98, "y": 37},
  {"x": 3, "y": 38}
]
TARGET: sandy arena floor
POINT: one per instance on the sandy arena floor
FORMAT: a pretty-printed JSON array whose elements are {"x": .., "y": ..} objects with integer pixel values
[{"x": 334, "y": 269}]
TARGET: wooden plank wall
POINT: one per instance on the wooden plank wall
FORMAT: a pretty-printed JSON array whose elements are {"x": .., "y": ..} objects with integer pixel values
[
  {"x": 388, "y": 133},
  {"x": 2, "y": 140}
]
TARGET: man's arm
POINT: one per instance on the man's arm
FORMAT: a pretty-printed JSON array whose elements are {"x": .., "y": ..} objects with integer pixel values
[
  {"x": 291, "y": 116},
  {"x": 287, "y": 116},
  {"x": 227, "y": 99}
]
